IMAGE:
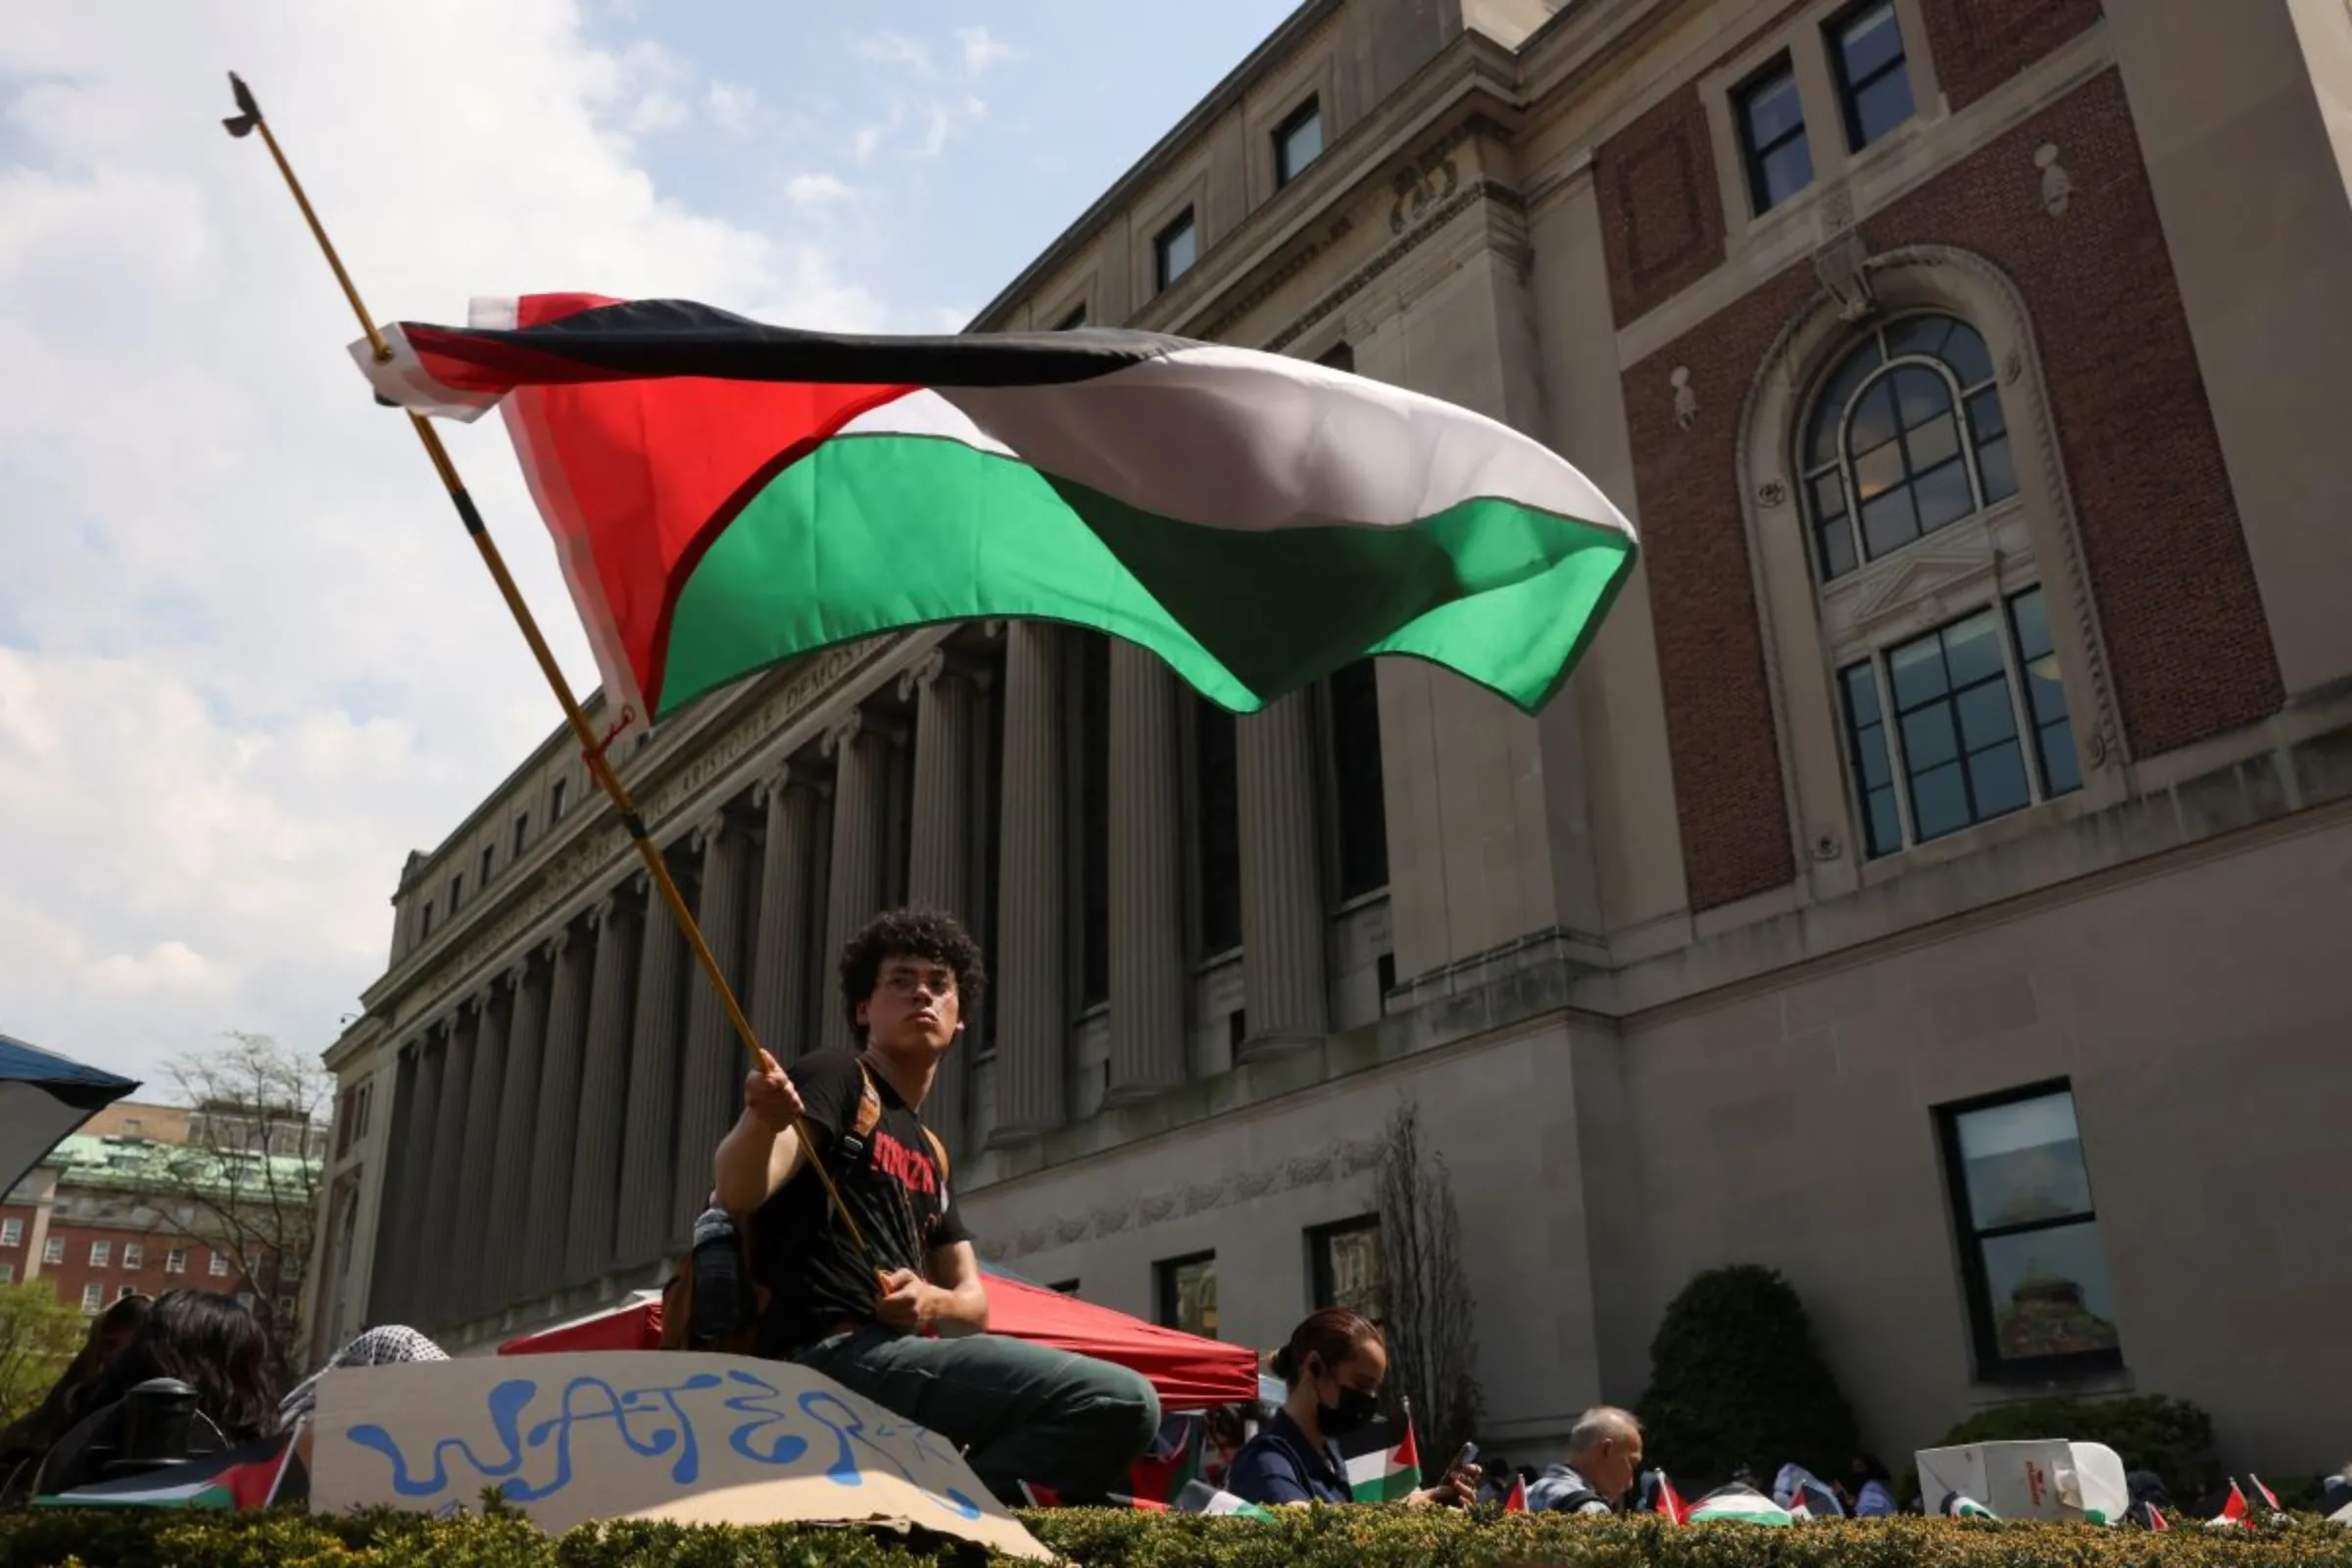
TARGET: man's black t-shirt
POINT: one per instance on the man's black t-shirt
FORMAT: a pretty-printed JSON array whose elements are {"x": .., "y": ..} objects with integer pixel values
[{"x": 800, "y": 1251}]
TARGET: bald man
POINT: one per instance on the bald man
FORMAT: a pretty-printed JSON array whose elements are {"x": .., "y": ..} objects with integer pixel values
[{"x": 1604, "y": 1455}]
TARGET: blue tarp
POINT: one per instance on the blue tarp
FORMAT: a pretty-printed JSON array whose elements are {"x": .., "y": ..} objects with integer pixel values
[{"x": 43, "y": 1098}]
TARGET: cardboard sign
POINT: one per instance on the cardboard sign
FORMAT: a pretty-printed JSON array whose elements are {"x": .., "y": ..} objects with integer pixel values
[
  {"x": 2041, "y": 1480},
  {"x": 641, "y": 1434}
]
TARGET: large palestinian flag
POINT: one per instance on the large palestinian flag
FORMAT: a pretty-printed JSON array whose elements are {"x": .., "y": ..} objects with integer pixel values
[{"x": 725, "y": 495}]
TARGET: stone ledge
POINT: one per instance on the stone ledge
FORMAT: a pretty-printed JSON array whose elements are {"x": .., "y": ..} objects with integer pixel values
[{"x": 1554, "y": 971}]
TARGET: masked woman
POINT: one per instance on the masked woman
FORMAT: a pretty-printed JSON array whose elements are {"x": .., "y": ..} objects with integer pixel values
[{"x": 1333, "y": 1368}]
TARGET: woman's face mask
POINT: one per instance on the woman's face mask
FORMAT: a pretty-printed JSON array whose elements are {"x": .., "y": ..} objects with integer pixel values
[{"x": 1347, "y": 1410}]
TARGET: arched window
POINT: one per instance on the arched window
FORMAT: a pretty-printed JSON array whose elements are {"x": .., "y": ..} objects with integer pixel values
[{"x": 1905, "y": 437}]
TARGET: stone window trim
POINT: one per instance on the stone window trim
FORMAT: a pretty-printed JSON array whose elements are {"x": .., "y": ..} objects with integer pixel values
[
  {"x": 1308, "y": 111},
  {"x": 1803, "y": 36},
  {"x": 1188, "y": 194},
  {"x": 2032, "y": 538},
  {"x": 1175, "y": 250},
  {"x": 1313, "y": 79}
]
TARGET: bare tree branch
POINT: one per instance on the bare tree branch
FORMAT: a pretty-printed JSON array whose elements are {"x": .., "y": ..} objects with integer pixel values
[
  {"x": 1427, "y": 1310},
  {"x": 252, "y": 1169}
]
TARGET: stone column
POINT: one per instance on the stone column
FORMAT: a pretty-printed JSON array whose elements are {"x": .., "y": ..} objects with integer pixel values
[
  {"x": 712, "y": 1083},
  {"x": 518, "y": 1120},
  {"x": 592, "y": 1228},
  {"x": 470, "y": 1230},
  {"x": 939, "y": 855},
  {"x": 1285, "y": 994},
  {"x": 783, "y": 960},
  {"x": 1032, "y": 993},
  {"x": 854, "y": 888},
  {"x": 400, "y": 1210},
  {"x": 429, "y": 1303},
  {"x": 1147, "y": 888},
  {"x": 648, "y": 1143},
  {"x": 554, "y": 1135}
]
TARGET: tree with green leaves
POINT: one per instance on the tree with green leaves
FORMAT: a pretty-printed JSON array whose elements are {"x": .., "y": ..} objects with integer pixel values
[
  {"x": 1735, "y": 1378},
  {"x": 39, "y": 1336}
]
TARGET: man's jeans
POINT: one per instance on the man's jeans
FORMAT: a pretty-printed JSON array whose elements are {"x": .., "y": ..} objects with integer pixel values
[{"x": 1020, "y": 1411}]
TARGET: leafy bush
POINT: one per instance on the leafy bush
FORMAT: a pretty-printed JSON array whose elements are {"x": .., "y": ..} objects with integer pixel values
[
  {"x": 1735, "y": 1378},
  {"x": 2150, "y": 1432},
  {"x": 1325, "y": 1538}
]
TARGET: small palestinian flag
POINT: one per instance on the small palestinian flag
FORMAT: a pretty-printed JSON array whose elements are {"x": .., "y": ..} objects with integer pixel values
[
  {"x": 1387, "y": 1475},
  {"x": 726, "y": 494},
  {"x": 1958, "y": 1506},
  {"x": 1178, "y": 1455},
  {"x": 2234, "y": 1512},
  {"x": 242, "y": 1479},
  {"x": 1670, "y": 1503},
  {"x": 1199, "y": 1496},
  {"x": 2267, "y": 1495},
  {"x": 1041, "y": 1497},
  {"x": 1146, "y": 1504},
  {"x": 2156, "y": 1519},
  {"x": 1737, "y": 1504},
  {"x": 1516, "y": 1502}
]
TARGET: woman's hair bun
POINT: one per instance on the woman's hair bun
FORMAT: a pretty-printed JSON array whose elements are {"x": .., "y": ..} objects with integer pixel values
[{"x": 1285, "y": 1365}]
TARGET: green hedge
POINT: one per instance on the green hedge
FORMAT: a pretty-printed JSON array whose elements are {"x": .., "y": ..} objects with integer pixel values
[{"x": 1342, "y": 1538}]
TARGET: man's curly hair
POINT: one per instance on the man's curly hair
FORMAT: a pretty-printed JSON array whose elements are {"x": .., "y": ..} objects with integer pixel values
[{"x": 910, "y": 933}]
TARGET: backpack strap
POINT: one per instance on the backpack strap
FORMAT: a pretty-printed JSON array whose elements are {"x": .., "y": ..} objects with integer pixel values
[{"x": 857, "y": 1136}]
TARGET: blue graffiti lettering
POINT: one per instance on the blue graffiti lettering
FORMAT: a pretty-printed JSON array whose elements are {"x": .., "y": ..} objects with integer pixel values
[
  {"x": 760, "y": 1405},
  {"x": 506, "y": 1402},
  {"x": 655, "y": 1423},
  {"x": 586, "y": 1400},
  {"x": 845, "y": 1469}
]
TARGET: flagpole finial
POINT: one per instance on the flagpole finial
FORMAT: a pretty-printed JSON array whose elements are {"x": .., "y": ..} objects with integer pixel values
[{"x": 249, "y": 111}]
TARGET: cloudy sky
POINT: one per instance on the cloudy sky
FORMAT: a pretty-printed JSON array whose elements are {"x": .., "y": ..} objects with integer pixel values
[{"x": 246, "y": 660}]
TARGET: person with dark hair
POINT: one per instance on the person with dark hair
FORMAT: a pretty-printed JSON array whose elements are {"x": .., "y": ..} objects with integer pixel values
[
  {"x": 110, "y": 1331},
  {"x": 904, "y": 1320},
  {"x": 207, "y": 1342},
  {"x": 215, "y": 1347},
  {"x": 1333, "y": 1367}
]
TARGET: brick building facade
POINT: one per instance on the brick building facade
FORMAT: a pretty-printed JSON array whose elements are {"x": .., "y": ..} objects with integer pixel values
[
  {"x": 1921, "y": 888},
  {"x": 100, "y": 1219}
]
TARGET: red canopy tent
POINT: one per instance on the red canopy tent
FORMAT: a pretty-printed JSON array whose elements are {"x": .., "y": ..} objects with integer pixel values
[{"x": 1190, "y": 1373}]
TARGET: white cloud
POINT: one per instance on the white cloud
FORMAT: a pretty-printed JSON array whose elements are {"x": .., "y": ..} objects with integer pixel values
[
  {"x": 983, "y": 51},
  {"x": 731, "y": 107},
  {"x": 815, "y": 190},
  {"x": 896, "y": 49},
  {"x": 247, "y": 662}
]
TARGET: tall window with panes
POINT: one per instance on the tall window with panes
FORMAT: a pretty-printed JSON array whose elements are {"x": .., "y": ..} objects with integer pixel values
[
  {"x": 1769, "y": 117},
  {"x": 1874, "y": 81},
  {"x": 1957, "y": 723}
]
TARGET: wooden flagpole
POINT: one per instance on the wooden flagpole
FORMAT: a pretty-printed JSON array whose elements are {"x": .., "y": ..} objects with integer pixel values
[{"x": 245, "y": 122}]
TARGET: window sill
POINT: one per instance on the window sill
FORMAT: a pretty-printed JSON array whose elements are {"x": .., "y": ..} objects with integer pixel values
[
  {"x": 1977, "y": 840},
  {"x": 1987, "y": 1393}
]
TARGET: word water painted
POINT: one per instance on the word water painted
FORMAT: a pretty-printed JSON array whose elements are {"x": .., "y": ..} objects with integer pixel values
[{"x": 645, "y": 1435}]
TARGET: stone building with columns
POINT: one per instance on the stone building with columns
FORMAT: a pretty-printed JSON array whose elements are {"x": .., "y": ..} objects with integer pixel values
[{"x": 1932, "y": 884}]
